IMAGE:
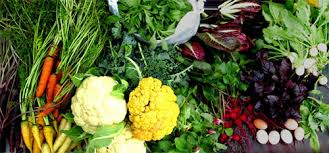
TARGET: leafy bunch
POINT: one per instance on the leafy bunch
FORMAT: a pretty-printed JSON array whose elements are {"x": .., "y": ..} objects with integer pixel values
[
  {"x": 315, "y": 118},
  {"x": 195, "y": 129},
  {"x": 298, "y": 31},
  {"x": 155, "y": 19},
  {"x": 276, "y": 92},
  {"x": 131, "y": 61},
  {"x": 220, "y": 75}
]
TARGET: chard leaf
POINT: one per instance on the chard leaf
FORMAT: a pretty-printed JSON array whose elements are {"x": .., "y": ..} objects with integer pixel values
[
  {"x": 104, "y": 135},
  {"x": 76, "y": 134}
]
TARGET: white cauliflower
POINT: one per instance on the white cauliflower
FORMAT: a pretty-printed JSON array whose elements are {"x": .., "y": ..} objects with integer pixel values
[
  {"x": 93, "y": 104},
  {"x": 124, "y": 143}
]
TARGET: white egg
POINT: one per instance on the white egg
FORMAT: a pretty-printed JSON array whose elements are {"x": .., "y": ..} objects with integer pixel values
[
  {"x": 274, "y": 137},
  {"x": 299, "y": 134},
  {"x": 262, "y": 136},
  {"x": 291, "y": 124},
  {"x": 323, "y": 80},
  {"x": 322, "y": 47},
  {"x": 300, "y": 71},
  {"x": 314, "y": 51},
  {"x": 286, "y": 136}
]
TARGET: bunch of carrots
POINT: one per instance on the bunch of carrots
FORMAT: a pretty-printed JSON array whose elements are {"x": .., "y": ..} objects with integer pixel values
[
  {"x": 35, "y": 132},
  {"x": 71, "y": 46}
]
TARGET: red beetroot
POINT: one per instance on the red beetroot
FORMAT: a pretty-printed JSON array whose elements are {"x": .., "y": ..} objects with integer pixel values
[
  {"x": 250, "y": 108},
  {"x": 236, "y": 137},
  {"x": 227, "y": 116},
  {"x": 228, "y": 124},
  {"x": 234, "y": 115},
  {"x": 244, "y": 117},
  {"x": 193, "y": 50},
  {"x": 238, "y": 122},
  {"x": 223, "y": 138}
]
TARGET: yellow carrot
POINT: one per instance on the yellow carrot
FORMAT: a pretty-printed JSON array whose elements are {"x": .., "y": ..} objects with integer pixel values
[
  {"x": 73, "y": 145},
  {"x": 35, "y": 148},
  {"x": 65, "y": 146},
  {"x": 62, "y": 124},
  {"x": 48, "y": 132},
  {"x": 36, "y": 135},
  {"x": 26, "y": 134},
  {"x": 55, "y": 125},
  {"x": 62, "y": 137},
  {"x": 42, "y": 138},
  {"x": 45, "y": 148}
]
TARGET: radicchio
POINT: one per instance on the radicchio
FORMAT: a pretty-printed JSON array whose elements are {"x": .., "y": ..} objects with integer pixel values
[
  {"x": 226, "y": 37},
  {"x": 193, "y": 50}
]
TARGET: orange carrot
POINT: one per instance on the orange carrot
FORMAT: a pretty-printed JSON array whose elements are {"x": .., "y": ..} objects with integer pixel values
[
  {"x": 47, "y": 109},
  {"x": 49, "y": 136},
  {"x": 46, "y": 71},
  {"x": 51, "y": 88},
  {"x": 26, "y": 134},
  {"x": 57, "y": 89},
  {"x": 56, "y": 113}
]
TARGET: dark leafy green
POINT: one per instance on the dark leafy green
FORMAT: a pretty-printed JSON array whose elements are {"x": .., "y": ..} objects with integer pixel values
[
  {"x": 277, "y": 94},
  {"x": 315, "y": 118},
  {"x": 192, "y": 131},
  {"x": 155, "y": 19}
]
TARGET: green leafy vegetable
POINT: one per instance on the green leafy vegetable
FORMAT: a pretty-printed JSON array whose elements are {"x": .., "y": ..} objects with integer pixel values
[
  {"x": 104, "y": 135},
  {"x": 154, "y": 19}
]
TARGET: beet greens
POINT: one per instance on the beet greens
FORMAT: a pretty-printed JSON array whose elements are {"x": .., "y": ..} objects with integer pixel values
[{"x": 277, "y": 93}]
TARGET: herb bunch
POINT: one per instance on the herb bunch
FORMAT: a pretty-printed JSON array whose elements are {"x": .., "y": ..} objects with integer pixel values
[
  {"x": 154, "y": 19},
  {"x": 197, "y": 129}
]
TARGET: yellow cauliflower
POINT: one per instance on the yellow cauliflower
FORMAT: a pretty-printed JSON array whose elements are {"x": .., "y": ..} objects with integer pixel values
[{"x": 153, "y": 110}]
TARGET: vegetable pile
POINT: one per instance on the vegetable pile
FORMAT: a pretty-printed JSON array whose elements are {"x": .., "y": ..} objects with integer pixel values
[{"x": 78, "y": 76}]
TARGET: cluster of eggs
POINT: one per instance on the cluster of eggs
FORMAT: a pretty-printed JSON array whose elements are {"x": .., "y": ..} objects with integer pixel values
[{"x": 273, "y": 137}]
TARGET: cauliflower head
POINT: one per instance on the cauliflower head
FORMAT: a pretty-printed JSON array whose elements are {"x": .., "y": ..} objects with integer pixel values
[
  {"x": 93, "y": 104},
  {"x": 124, "y": 143},
  {"x": 153, "y": 110}
]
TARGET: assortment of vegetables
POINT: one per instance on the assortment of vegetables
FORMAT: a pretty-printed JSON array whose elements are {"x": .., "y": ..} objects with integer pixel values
[{"x": 87, "y": 80}]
